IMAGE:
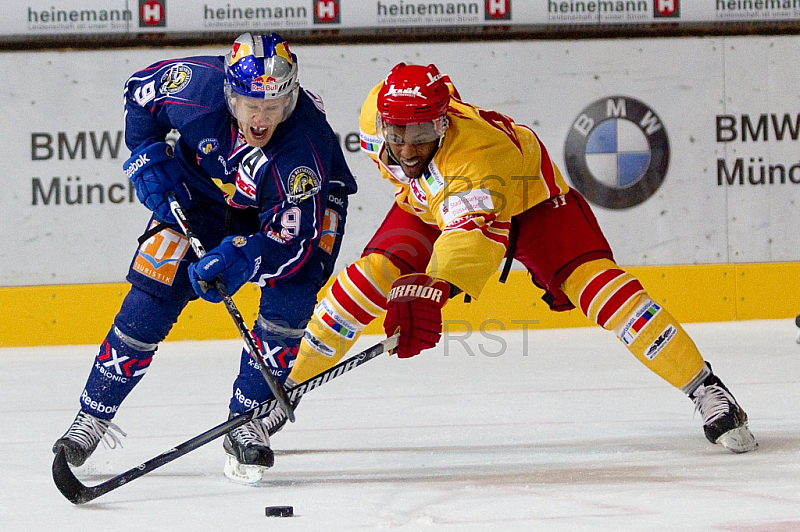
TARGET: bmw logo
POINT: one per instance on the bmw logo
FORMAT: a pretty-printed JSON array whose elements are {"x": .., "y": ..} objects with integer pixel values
[{"x": 617, "y": 152}]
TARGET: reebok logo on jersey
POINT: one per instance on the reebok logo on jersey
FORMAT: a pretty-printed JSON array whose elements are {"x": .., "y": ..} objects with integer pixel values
[
  {"x": 136, "y": 165},
  {"x": 415, "y": 291}
]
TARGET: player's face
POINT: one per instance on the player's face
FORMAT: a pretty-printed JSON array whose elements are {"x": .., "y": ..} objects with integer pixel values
[
  {"x": 413, "y": 146},
  {"x": 414, "y": 158},
  {"x": 258, "y": 118}
]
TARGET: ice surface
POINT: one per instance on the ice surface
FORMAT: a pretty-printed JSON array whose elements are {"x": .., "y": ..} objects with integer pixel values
[{"x": 549, "y": 430}]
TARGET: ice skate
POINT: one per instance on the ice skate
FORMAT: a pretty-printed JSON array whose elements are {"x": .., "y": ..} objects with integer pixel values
[
  {"x": 724, "y": 421},
  {"x": 82, "y": 437},
  {"x": 277, "y": 418},
  {"x": 248, "y": 451}
]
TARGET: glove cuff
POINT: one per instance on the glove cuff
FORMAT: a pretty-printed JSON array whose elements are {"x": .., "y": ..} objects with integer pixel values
[
  {"x": 419, "y": 286},
  {"x": 249, "y": 248}
]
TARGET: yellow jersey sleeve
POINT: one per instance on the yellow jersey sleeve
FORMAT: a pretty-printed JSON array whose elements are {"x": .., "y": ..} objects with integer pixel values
[{"x": 486, "y": 170}]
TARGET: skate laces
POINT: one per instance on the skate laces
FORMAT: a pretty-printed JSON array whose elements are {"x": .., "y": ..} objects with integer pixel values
[
  {"x": 275, "y": 418},
  {"x": 252, "y": 433},
  {"x": 88, "y": 430},
  {"x": 713, "y": 402}
]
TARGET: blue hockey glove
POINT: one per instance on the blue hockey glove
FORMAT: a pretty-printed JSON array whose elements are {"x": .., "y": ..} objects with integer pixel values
[
  {"x": 236, "y": 260},
  {"x": 154, "y": 173}
]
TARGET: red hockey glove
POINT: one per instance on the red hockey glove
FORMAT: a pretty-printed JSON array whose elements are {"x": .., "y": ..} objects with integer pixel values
[{"x": 414, "y": 305}]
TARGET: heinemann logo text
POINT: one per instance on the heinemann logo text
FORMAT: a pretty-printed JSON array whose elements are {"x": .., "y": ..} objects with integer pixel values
[
  {"x": 427, "y": 9},
  {"x": 54, "y": 15},
  {"x": 250, "y": 13},
  {"x": 597, "y": 6},
  {"x": 738, "y": 6}
]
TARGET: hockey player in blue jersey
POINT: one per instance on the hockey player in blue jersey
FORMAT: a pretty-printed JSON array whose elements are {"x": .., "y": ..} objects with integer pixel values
[{"x": 265, "y": 185}]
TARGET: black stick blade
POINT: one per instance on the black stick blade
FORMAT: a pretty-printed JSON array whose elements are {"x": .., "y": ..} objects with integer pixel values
[{"x": 66, "y": 481}]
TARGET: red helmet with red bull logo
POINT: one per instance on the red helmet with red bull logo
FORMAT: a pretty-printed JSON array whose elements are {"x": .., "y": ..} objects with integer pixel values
[
  {"x": 412, "y": 104},
  {"x": 261, "y": 67}
]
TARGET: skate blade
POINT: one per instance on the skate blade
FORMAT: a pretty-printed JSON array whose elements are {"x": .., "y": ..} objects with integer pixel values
[
  {"x": 244, "y": 473},
  {"x": 738, "y": 440}
]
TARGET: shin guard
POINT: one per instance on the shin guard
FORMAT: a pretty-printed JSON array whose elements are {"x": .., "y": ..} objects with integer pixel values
[{"x": 615, "y": 300}]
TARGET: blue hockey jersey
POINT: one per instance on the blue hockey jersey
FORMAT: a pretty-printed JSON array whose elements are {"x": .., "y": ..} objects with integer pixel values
[{"x": 288, "y": 182}]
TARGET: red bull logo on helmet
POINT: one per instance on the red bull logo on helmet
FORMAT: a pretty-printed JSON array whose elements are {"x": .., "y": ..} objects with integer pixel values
[
  {"x": 282, "y": 50},
  {"x": 265, "y": 83},
  {"x": 239, "y": 51}
]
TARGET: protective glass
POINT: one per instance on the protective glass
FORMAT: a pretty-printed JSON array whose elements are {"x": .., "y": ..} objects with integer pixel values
[{"x": 413, "y": 133}]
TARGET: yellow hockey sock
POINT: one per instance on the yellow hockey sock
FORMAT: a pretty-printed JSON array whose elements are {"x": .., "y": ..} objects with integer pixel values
[{"x": 615, "y": 300}]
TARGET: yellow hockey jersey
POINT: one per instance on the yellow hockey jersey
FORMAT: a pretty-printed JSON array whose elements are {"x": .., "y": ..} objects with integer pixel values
[{"x": 486, "y": 170}]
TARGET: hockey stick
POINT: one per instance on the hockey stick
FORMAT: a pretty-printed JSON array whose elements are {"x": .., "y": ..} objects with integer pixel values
[
  {"x": 258, "y": 357},
  {"x": 78, "y": 493}
]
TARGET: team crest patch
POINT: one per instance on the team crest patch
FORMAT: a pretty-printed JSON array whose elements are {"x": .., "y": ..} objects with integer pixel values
[
  {"x": 176, "y": 78},
  {"x": 160, "y": 255},
  {"x": 303, "y": 183},
  {"x": 207, "y": 146}
]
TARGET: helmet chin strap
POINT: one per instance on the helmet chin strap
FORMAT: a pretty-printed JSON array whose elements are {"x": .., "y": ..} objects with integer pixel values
[{"x": 390, "y": 155}]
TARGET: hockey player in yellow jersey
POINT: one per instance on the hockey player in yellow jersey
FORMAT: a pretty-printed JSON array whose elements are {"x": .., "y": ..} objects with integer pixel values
[{"x": 473, "y": 187}]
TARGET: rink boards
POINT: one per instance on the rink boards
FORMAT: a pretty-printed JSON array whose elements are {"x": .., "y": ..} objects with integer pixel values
[
  {"x": 708, "y": 220},
  {"x": 82, "y": 314}
]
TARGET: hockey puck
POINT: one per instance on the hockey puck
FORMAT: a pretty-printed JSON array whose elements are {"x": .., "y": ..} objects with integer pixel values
[{"x": 279, "y": 511}]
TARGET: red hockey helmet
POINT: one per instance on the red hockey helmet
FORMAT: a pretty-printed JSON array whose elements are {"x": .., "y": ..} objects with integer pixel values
[{"x": 413, "y": 95}]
